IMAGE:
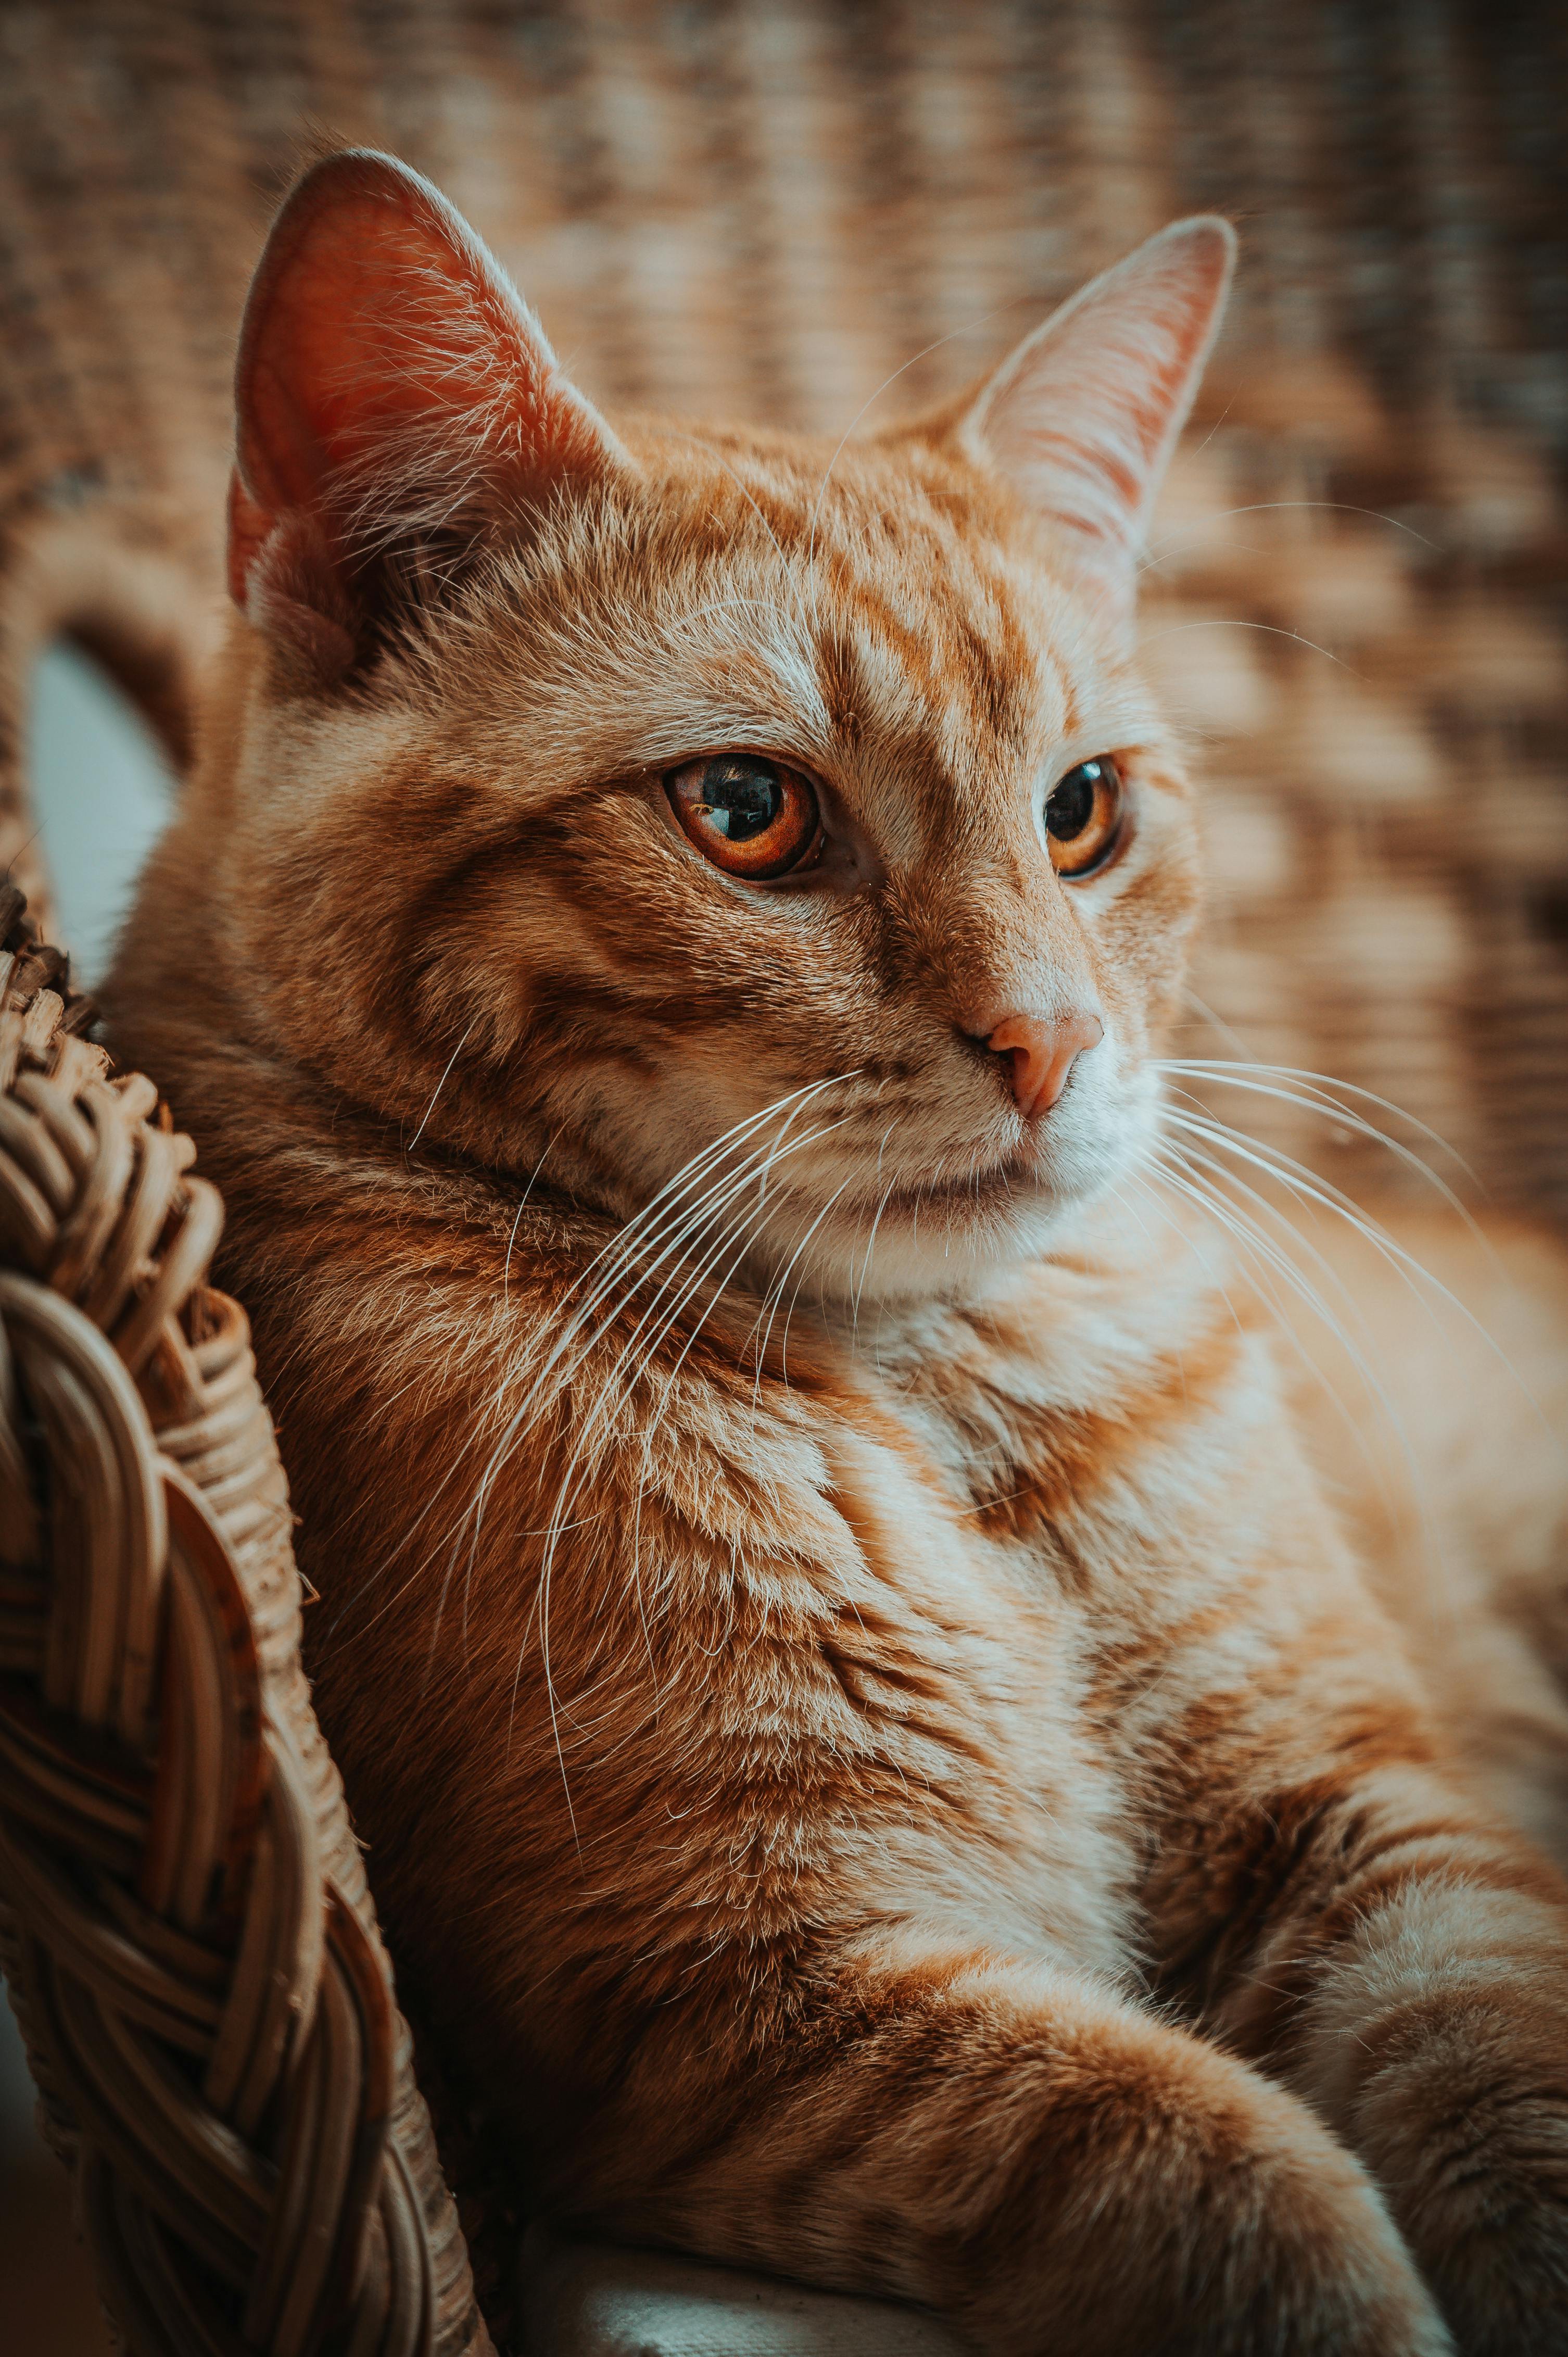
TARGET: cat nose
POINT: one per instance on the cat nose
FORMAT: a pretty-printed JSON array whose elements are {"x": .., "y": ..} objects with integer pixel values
[{"x": 1042, "y": 1051}]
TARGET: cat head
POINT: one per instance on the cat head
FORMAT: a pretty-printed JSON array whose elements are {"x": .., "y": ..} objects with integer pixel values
[{"x": 782, "y": 826}]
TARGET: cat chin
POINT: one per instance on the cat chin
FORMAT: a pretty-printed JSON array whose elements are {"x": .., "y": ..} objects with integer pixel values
[
  {"x": 949, "y": 1251},
  {"x": 958, "y": 1244}
]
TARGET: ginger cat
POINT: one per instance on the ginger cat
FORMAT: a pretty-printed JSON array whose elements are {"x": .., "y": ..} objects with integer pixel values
[{"x": 873, "y": 1745}]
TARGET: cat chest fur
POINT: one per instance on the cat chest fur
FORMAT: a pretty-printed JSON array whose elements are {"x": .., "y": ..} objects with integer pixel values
[
  {"x": 1065, "y": 1499},
  {"x": 876, "y": 1652},
  {"x": 943, "y": 1596}
]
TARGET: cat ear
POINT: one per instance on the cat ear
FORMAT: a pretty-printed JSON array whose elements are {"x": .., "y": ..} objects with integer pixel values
[
  {"x": 1084, "y": 415},
  {"x": 391, "y": 389}
]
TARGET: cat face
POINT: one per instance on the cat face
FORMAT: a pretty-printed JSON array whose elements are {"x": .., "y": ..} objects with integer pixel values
[{"x": 780, "y": 828}]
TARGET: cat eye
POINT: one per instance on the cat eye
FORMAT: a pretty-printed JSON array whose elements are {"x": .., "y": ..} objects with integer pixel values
[
  {"x": 1083, "y": 818},
  {"x": 751, "y": 816}
]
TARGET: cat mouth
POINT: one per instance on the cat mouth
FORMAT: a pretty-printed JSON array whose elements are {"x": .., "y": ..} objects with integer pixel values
[{"x": 1015, "y": 1179}]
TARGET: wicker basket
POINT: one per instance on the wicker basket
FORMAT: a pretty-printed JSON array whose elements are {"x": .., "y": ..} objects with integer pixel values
[{"x": 183, "y": 1919}]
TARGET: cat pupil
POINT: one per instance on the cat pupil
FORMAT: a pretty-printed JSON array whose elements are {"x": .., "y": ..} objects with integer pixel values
[
  {"x": 743, "y": 798},
  {"x": 1072, "y": 804}
]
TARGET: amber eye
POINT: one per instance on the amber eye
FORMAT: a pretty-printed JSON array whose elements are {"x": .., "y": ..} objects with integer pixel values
[
  {"x": 1083, "y": 818},
  {"x": 751, "y": 816}
]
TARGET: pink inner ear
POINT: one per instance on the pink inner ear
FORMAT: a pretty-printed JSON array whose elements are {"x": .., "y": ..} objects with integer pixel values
[
  {"x": 358, "y": 321},
  {"x": 378, "y": 331},
  {"x": 1083, "y": 416}
]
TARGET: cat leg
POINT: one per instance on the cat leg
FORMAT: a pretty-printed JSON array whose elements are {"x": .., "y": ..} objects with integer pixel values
[
  {"x": 1412, "y": 1981},
  {"x": 1051, "y": 2167}
]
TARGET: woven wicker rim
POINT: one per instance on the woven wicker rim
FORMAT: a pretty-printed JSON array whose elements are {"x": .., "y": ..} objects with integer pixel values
[{"x": 184, "y": 1923}]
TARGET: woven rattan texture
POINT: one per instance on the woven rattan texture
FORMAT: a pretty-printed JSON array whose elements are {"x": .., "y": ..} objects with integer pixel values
[
  {"x": 767, "y": 210},
  {"x": 184, "y": 1920}
]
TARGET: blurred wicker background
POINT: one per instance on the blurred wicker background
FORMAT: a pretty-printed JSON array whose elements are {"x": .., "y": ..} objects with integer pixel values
[{"x": 791, "y": 210}]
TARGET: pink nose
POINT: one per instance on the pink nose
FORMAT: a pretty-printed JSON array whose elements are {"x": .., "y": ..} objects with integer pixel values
[{"x": 1042, "y": 1055}]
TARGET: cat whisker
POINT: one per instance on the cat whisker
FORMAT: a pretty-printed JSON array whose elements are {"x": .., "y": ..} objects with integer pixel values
[
  {"x": 1308, "y": 1187},
  {"x": 1321, "y": 1094},
  {"x": 620, "y": 1252},
  {"x": 698, "y": 1218},
  {"x": 440, "y": 1084},
  {"x": 517, "y": 1218},
  {"x": 1273, "y": 630},
  {"x": 1198, "y": 1109},
  {"x": 618, "y": 1382},
  {"x": 1218, "y": 1188},
  {"x": 1161, "y": 548},
  {"x": 777, "y": 1292},
  {"x": 1217, "y": 1023},
  {"x": 660, "y": 1215},
  {"x": 1206, "y": 1183},
  {"x": 557, "y": 1525},
  {"x": 695, "y": 1223},
  {"x": 1158, "y": 1158},
  {"x": 747, "y": 1239},
  {"x": 885, "y": 1199}
]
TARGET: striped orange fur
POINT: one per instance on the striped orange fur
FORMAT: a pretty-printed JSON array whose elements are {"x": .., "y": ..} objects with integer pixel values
[{"x": 874, "y": 1748}]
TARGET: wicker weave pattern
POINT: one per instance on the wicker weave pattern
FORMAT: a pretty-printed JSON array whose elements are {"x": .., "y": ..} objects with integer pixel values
[{"x": 186, "y": 1924}]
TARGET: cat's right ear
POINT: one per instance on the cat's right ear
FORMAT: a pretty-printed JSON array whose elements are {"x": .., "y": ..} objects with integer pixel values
[
  {"x": 1081, "y": 421},
  {"x": 395, "y": 399}
]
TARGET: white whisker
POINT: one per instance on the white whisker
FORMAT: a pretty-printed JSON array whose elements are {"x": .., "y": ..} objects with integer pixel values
[
  {"x": 1273, "y": 630},
  {"x": 660, "y": 1219},
  {"x": 1319, "y": 1096},
  {"x": 440, "y": 1084},
  {"x": 1204, "y": 1183},
  {"x": 1159, "y": 549}
]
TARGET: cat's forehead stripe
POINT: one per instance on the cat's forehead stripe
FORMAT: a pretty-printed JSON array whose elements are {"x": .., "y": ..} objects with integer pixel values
[{"x": 916, "y": 640}]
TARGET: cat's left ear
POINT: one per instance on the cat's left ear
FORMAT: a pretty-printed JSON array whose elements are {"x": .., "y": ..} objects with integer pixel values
[
  {"x": 1083, "y": 419},
  {"x": 394, "y": 401}
]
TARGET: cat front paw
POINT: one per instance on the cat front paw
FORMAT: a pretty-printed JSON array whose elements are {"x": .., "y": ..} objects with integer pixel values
[
  {"x": 1309, "y": 2264},
  {"x": 1471, "y": 2144},
  {"x": 1235, "y": 2225}
]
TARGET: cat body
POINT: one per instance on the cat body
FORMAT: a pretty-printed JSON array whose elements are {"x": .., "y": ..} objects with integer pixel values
[
  {"x": 874, "y": 1747},
  {"x": 1011, "y": 1660}
]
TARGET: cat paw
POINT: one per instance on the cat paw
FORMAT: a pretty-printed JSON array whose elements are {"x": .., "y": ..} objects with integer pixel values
[
  {"x": 1484, "y": 2207},
  {"x": 1310, "y": 2265},
  {"x": 1463, "y": 2122},
  {"x": 1238, "y": 2226}
]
